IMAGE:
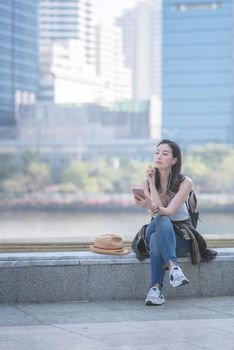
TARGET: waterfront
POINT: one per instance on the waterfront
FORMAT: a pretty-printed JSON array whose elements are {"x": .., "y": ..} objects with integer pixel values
[{"x": 42, "y": 226}]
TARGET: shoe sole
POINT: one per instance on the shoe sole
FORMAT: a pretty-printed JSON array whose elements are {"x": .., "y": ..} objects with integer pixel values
[
  {"x": 150, "y": 303},
  {"x": 183, "y": 283}
]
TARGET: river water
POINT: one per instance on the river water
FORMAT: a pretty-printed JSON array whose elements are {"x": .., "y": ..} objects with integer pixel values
[{"x": 41, "y": 226}]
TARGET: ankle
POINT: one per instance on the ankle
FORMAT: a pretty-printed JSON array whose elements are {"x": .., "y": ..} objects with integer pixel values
[
  {"x": 171, "y": 265},
  {"x": 157, "y": 285}
]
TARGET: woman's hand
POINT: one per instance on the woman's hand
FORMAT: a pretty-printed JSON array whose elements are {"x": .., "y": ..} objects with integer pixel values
[
  {"x": 144, "y": 202},
  {"x": 150, "y": 175}
]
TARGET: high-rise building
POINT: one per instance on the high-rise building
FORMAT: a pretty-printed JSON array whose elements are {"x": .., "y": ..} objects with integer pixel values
[
  {"x": 110, "y": 63},
  {"x": 67, "y": 78},
  {"x": 18, "y": 57},
  {"x": 142, "y": 47},
  {"x": 62, "y": 20},
  {"x": 67, "y": 52},
  {"x": 198, "y": 86}
]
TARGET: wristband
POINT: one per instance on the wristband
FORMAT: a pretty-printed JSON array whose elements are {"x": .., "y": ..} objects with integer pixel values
[{"x": 156, "y": 210}]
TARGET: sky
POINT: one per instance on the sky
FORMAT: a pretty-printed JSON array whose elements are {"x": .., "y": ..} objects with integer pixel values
[{"x": 107, "y": 10}]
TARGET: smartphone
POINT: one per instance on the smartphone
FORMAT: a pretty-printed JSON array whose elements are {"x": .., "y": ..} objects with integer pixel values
[{"x": 139, "y": 192}]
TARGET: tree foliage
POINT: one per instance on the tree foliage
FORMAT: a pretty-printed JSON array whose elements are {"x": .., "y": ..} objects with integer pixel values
[{"x": 211, "y": 167}]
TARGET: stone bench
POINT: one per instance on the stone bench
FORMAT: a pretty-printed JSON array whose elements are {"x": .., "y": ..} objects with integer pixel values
[{"x": 79, "y": 276}]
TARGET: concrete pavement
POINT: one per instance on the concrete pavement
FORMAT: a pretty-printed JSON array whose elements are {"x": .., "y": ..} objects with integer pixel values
[{"x": 191, "y": 323}]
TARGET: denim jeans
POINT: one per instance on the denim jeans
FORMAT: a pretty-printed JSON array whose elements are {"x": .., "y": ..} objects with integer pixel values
[{"x": 164, "y": 245}]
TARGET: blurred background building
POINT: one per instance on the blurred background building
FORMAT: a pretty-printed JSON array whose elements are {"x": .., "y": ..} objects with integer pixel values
[
  {"x": 62, "y": 20},
  {"x": 18, "y": 59},
  {"x": 164, "y": 69},
  {"x": 66, "y": 77},
  {"x": 198, "y": 86},
  {"x": 110, "y": 63},
  {"x": 83, "y": 104},
  {"x": 142, "y": 33},
  {"x": 80, "y": 62},
  {"x": 67, "y": 50},
  {"x": 73, "y": 123}
]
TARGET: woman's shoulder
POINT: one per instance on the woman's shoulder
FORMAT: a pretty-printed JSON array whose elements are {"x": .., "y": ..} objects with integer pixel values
[{"x": 185, "y": 180}]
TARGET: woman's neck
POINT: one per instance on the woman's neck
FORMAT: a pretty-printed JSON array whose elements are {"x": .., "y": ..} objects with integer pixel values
[
  {"x": 164, "y": 174},
  {"x": 164, "y": 178}
]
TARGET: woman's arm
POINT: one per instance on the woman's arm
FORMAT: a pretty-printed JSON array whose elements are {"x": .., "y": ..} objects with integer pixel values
[
  {"x": 152, "y": 193},
  {"x": 147, "y": 202},
  {"x": 155, "y": 196},
  {"x": 140, "y": 202},
  {"x": 173, "y": 206},
  {"x": 152, "y": 190}
]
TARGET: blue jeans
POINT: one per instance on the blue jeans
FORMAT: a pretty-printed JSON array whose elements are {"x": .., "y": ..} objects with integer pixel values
[{"x": 164, "y": 245}]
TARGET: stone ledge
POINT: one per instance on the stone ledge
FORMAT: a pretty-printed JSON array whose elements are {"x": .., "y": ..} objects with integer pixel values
[
  {"x": 79, "y": 276},
  {"x": 86, "y": 258}
]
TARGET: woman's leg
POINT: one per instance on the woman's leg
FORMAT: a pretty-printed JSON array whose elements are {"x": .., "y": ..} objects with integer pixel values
[
  {"x": 176, "y": 275},
  {"x": 156, "y": 262},
  {"x": 160, "y": 237}
]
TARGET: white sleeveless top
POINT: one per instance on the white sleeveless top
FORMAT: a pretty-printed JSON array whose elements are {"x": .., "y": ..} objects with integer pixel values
[{"x": 181, "y": 214}]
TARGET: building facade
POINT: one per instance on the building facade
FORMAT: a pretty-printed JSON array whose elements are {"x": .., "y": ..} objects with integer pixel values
[
  {"x": 142, "y": 40},
  {"x": 18, "y": 57},
  {"x": 67, "y": 51},
  {"x": 80, "y": 62},
  {"x": 66, "y": 77},
  {"x": 110, "y": 64},
  {"x": 198, "y": 61},
  {"x": 64, "y": 20},
  {"x": 49, "y": 123}
]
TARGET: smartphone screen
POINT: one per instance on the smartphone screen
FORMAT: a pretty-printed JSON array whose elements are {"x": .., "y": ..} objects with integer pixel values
[{"x": 139, "y": 192}]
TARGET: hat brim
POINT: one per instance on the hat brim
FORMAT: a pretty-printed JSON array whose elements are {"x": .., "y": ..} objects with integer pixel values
[{"x": 122, "y": 251}]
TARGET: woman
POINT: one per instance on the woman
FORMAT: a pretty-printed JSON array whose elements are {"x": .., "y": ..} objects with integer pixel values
[{"x": 170, "y": 233}]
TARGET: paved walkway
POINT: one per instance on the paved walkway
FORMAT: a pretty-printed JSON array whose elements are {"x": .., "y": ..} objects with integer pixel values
[{"x": 205, "y": 323}]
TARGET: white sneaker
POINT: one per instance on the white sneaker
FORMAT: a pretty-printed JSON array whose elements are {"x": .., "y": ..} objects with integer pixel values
[
  {"x": 177, "y": 278},
  {"x": 154, "y": 297}
]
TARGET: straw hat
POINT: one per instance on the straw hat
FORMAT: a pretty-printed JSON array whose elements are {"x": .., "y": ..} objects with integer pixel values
[{"x": 109, "y": 244}]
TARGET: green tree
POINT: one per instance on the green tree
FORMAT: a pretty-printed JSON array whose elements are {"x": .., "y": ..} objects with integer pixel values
[
  {"x": 211, "y": 167},
  {"x": 130, "y": 174},
  {"x": 226, "y": 173},
  {"x": 195, "y": 168},
  {"x": 103, "y": 173},
  {"x": 14, "y": 186},
  {"x": 38, "y": 175},
  {"x": 8, "y": 166},
  {"x": 76, "y": 173}
]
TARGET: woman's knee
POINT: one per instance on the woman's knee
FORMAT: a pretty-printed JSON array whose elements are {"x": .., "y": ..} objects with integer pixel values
[
  {"x": 149, "y": 231},
  {"x": 160, "y": 220},
  {"x": 163, "y": 223}
]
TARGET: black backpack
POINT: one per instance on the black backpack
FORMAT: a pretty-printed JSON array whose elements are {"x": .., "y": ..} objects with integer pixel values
[{"x": 191, "y": 204}]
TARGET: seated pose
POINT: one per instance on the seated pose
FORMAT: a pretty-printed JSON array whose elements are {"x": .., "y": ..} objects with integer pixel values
[{"x": 170, "y": 234}]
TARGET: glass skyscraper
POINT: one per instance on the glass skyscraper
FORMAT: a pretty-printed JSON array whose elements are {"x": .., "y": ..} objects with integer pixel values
[
  {"x": 18, "y": 56},
  {"x": 198, "y": 85},
  {"x": 68, "y": 19}
]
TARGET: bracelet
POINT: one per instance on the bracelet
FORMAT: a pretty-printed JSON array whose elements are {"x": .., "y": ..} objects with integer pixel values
[{"x": 156, "y": 210}]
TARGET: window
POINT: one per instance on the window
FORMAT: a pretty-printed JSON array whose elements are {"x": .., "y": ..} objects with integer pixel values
[{"x": 186, "y": 6}]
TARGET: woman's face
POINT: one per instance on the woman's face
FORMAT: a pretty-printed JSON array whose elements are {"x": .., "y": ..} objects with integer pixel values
[{"x": 163, "y": 157}]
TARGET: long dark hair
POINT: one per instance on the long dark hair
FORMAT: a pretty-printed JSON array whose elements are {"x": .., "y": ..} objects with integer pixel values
[{"x": 175, "y": 177}]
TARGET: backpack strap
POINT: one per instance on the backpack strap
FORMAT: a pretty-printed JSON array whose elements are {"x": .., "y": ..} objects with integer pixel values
[
  {"x": 192, "y": 201},
  {"x": 191, "y": 204}
]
